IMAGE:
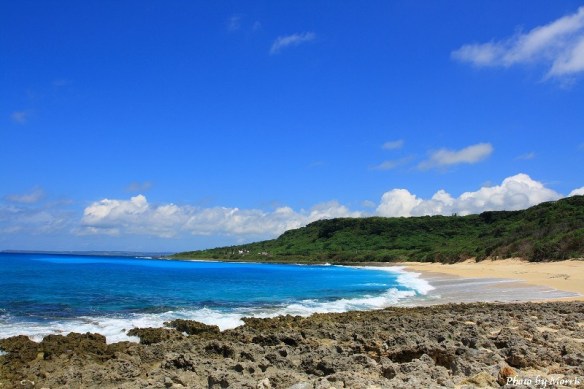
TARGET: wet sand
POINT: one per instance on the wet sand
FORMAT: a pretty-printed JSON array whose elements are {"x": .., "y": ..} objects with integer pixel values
[{"x": 502, "y": 280}]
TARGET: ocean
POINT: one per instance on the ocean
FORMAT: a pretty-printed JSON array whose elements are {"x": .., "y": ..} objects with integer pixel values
[{"x": 56, "y": 293}]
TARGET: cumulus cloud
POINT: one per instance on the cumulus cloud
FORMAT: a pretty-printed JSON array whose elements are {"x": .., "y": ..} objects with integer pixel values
[
  {"x": 34, "y": 196},
  {"x": 138, "y": 216},
  {"x": 515, "y": 192},
  {"x": 397, "y": 202},
  {"x": 470, "y": 155},
  {"x": 283, "y": 42},
  {"x": 393, "y": 145},
  {"x": 558, "y": 45},
  {"x": 577, "y": 192}
]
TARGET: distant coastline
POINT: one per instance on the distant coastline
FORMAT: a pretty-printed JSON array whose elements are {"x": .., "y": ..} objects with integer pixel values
[{"x": 110, "y": 253}]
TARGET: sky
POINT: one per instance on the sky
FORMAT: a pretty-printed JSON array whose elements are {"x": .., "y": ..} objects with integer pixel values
[{"x": 182, "y": 125}]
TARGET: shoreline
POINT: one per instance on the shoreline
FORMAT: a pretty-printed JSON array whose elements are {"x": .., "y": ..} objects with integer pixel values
[
  {"x": 549, "y": 279},
  {"x": 566, "y": 276}
]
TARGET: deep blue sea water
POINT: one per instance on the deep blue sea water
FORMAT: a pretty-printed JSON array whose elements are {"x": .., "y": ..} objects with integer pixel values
[{"x": 52, "y": 293}]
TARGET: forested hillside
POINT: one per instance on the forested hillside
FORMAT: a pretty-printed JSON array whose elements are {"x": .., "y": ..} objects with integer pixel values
[{"x": 548, "y": 231}]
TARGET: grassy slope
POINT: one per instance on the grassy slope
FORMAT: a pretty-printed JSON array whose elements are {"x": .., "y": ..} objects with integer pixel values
[{"x": 549, "y": 231}]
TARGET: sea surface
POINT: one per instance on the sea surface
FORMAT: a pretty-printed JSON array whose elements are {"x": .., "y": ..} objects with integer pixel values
[{"x": 45, "y": 294}]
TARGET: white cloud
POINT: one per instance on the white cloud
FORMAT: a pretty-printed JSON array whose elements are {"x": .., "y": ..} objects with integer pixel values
[
  {"x": 393, "y": 145},
  {"x": 34, "y": 196},
  {"x": 515, "y": 192},
  {"x": 137, "y": 216},
  {"x": 329, "y": 210},
  {"x": 392, "y": 164},
  {"x": 368, "y": 204},
  {"x": 444, "y": 157},
  {"x": 31, "y": 218},
  {"x": 577, "y": 192},
  {"x": 387, "y": 165},
  {"x": 558, "y": 45},
  {"x": 397, "y": 202},
  {"x": 283, "y": 42}
]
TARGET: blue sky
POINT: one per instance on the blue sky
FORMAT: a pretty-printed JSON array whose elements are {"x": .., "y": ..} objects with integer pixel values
[{"x": 150, "y": 125}]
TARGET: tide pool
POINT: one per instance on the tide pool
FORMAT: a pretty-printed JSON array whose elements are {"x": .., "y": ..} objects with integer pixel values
[{"x": 50, "y": 293}]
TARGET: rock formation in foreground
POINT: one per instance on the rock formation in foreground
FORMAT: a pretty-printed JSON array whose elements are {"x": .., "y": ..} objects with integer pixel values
[{"x": 463, "y": 345}]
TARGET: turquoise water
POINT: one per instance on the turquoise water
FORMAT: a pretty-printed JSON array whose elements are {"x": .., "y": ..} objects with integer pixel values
[{"x": 45, "y": 293}]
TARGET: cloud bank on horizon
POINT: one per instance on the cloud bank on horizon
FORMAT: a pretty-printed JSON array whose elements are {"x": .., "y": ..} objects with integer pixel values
[{"x": 136, "y": 216}]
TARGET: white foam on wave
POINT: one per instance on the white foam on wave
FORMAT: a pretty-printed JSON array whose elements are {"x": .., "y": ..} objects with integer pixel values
[
  {"x": 115, "y": 328},
  {"x": 413, "y": 281},
  {"x": 405, "y": 278},
  {"x": 309, "y": 307}
]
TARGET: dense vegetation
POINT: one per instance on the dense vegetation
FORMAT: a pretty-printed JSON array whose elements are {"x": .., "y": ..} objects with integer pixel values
[{"x": 548, "y": 231}]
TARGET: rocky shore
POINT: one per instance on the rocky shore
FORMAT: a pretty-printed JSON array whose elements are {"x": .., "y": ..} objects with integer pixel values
[{"x": 455, "y": 345}]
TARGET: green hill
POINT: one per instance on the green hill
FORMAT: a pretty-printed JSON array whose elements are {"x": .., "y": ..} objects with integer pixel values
[{"x": 548, "y": 231}]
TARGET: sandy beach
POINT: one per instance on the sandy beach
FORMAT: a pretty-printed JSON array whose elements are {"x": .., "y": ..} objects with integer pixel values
[{"x": 566, "y": 276}]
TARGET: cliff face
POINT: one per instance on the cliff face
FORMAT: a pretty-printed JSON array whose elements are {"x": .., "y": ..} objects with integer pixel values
[
  {"x": 548, "y": 231},
  {"x": 440, "y": 346}
]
